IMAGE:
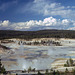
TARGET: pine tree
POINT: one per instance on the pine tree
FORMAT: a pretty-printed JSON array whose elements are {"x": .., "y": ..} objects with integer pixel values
[
  {"x": 71, "y": 62},
  {"x": 46, "y": 73},
  {"x": 54, "y": 72},
  {"x": 2, "y": 69},
  {"x": 73, "y": 71},
  {"x": 57, "y": 73},
  {"x": 39, "y": 73},
  {"x": 67, "y": 63},
  {"x": 66, "y": 71},
  {"x": 33, "y": 69},
  {"x": 29, "y": 69}
]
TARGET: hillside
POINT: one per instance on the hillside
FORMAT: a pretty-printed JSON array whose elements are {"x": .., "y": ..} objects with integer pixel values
[{"x": 8, "y": 34}]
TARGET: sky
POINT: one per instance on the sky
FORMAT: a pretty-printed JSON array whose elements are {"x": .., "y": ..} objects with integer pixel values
[{"x": 30, "y": 15}]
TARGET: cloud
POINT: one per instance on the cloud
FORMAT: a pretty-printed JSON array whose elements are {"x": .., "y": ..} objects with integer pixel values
[
  {"x": 53, "y": 9},
  {"x": 47, "y": 23},
  {"x": 48, "y": 8},
  {"x": 5, "y": 23},
  {"x": 73, "y": 28},
  {"x": 65, "y": 22}
]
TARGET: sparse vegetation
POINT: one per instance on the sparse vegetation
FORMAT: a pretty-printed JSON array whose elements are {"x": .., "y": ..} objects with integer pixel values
[
  {"x": 69, "y": 63},
  {"x": 46, "y": 43},
  {"x": 24, "y": 71}
]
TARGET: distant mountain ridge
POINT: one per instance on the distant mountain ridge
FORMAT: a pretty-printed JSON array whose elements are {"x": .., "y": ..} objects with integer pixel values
[{"x": 50, "y": 33}]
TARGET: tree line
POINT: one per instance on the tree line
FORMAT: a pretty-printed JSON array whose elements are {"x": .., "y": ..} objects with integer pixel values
[
  {"x": 50, "y": 72},
  {"x": 8, "y": 34}
]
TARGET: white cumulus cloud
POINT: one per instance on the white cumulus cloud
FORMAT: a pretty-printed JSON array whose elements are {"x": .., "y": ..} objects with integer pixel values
[
  {"x": 65, "y": 22},
  {"x": 47, "y": 23},
  {"x": 5, "y": 23}
]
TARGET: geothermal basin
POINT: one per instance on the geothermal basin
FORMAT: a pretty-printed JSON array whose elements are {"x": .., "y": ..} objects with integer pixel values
[{"x": 38, "y": 57}]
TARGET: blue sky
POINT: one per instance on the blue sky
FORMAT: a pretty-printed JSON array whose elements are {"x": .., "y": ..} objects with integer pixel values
[{"x": 37, "y": 14}]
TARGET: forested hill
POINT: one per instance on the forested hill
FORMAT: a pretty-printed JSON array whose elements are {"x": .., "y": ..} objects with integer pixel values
[{"x": 7, "y": 34}]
